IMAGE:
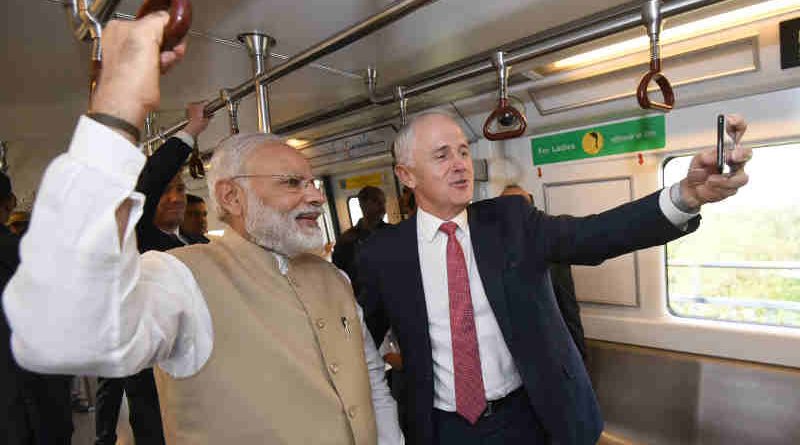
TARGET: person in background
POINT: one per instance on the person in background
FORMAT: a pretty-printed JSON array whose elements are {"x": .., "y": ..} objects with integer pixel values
[
  {"x": 563, "y": 285},
  {"x": 372, "y": 201},
  {"x": 195, "y": 220},
  {"x": 164, "y": 207},
  {"x": 34, "y": 408}
]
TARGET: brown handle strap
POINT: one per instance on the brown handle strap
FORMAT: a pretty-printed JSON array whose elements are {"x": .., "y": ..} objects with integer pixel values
[
  {"x": 196, "y": 168},
  {"x": 504, "y": 107},
  {"x": 663, "y": 85},
  {"x": 180, "y": 19}
]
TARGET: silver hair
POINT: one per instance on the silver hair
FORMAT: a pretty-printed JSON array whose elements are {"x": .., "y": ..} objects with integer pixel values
[
  {"x": 229, "y": 160},
  {"x": 404, "y": 141}
]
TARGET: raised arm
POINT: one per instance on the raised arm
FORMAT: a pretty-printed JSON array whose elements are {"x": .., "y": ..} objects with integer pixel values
[
  {"x": 650, "y": 221},
  {"x": 76, "y": 304},
  {"x": 164, "y": 164}
]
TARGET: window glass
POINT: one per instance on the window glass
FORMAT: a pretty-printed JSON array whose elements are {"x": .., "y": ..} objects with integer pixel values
[
  {"x": 354, "y": 209},
  {"x": 743, "y": 263}
]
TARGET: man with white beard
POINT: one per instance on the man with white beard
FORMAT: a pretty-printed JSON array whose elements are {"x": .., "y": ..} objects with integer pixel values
[{"x": 255, "y": 341}]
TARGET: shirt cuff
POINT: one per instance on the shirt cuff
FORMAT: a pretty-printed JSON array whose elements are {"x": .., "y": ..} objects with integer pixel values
[
  {"x": 101, "y": 148},
  {"x": 185, "y": 137},
  {"x": 676, "y": 216}
]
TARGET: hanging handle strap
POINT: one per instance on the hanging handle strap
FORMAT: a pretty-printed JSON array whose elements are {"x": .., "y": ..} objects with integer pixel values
[
  {"x": 504, "y": 108},
  {"x": 651, "y": 16}
]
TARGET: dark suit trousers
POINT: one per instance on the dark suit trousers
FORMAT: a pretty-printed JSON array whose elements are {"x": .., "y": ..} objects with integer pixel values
[
  {"x": 514, "y": 423},
  {"x": 145, "y": 411}
]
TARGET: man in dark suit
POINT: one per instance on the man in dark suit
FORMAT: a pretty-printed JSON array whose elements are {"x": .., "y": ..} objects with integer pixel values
[
  {"x": 465, "y": 290},
  {"x": 165, "y": 203},
  {"x": 563, "y": 285},
  {"x": 372, "y": 201},
  {"x": 195, "y": 220}
]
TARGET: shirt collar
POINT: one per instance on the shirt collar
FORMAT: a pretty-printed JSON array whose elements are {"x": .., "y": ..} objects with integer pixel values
[{"x": 428, "y": 225}]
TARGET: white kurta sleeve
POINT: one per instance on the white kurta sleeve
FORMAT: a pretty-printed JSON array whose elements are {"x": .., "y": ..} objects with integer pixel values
[
  {"x": 382, "y": 401},
  {"x": 83, "y": 301}
]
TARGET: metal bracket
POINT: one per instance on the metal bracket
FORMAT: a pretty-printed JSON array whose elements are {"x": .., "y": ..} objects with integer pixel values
[
  {"x": 233, "y": 110},
  {"x": 400, "y": 95}
]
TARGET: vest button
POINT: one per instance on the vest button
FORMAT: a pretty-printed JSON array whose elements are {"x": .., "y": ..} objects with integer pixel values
[
  {"x": 351, "y": 412},
  {"x": 334, "y": 368},
  {"x": 320, "y": 323}
]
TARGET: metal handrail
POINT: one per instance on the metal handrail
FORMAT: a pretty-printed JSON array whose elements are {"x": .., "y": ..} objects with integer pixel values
[
  {"x": 742, "y": 302},
  {"x": 389, "y": 15},
  {"x": 606, "y": 23},
  {"x": 766, "y": 265}
]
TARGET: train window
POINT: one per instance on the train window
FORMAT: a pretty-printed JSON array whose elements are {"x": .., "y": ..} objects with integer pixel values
[
  {"x": 355, "y": 211},
  {"x": 743, "y": 263}
]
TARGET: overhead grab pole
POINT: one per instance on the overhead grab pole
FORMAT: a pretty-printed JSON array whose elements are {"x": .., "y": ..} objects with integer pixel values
[
  {"x": 623, "y": 18},
  {"x": 258, "y": 45},
  {"x": 389, "y": 15}
]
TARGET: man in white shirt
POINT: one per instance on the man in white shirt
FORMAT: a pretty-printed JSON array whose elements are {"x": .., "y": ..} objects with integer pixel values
[
  {"x": 464, "y": 288},
  {"x": 249, "y": 323}
]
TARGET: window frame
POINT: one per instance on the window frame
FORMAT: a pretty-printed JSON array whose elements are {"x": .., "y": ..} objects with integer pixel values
[{"x": 667, "y": 300}]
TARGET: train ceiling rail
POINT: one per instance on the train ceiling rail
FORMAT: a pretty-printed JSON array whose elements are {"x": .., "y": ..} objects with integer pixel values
[
  {"x": 603, "y": 24},
  {"x": 389, "y": 15}
]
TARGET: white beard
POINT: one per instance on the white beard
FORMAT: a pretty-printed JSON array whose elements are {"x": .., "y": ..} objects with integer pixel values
[{"x": 279, "y": 231}]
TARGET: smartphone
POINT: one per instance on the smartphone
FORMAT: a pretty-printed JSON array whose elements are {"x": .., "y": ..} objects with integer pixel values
[{"x": 721, "y": 144}]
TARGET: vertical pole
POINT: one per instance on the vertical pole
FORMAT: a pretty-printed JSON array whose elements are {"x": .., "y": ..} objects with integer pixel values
[{"x": 258, "y": 45}]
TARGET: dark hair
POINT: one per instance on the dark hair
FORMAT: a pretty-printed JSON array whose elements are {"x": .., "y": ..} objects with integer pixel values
[
  {"x": 369, "y": 192},
  {"x": 193, "y": 199}
]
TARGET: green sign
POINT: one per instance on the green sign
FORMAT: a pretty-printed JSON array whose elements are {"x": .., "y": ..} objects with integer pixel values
[{"x": 642, "y": 134}]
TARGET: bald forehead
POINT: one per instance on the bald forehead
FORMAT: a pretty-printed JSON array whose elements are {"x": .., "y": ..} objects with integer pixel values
[
  {"x": 435, "y": 130},
  {"x": 277, "y": 157}
]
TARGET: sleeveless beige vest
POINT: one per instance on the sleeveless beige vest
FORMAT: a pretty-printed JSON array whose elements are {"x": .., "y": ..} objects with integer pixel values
[{"x": 287, "y": 365}]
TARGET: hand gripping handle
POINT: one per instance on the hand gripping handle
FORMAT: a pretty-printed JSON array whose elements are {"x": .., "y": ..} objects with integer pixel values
[{"x": 180, "y": 19}]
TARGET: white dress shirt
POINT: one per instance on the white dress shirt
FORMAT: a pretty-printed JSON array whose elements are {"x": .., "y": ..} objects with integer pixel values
[
  {"x": 500, "y": 374},
  {"x": 83, "y": 301}
]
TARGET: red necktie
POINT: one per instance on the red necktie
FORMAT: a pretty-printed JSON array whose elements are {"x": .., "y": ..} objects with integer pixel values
[{"x": 470, "y": 394}]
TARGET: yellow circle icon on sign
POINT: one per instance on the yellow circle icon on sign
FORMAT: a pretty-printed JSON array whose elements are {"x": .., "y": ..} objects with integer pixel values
[{"x": 592, "y": 142}]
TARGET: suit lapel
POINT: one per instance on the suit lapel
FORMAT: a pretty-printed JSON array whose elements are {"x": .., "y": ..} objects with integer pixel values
[{"x": 487, "y": 243}]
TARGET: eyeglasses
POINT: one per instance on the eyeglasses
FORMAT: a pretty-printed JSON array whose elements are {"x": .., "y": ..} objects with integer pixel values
[{"x": 292, "y": 183}]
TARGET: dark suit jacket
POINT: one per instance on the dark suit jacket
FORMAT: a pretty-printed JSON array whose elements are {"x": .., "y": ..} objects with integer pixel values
[
  {"x": 345, "y": 253},
  {"x": 564, "y": 289},
  {"x": 513, "y": 245},
  {"x": 158, "y": 171}
]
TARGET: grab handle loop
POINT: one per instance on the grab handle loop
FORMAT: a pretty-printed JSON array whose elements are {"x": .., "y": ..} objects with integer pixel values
[
  {"x": 651, "y": 15},
  {"x": 504, "y": 110}
]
